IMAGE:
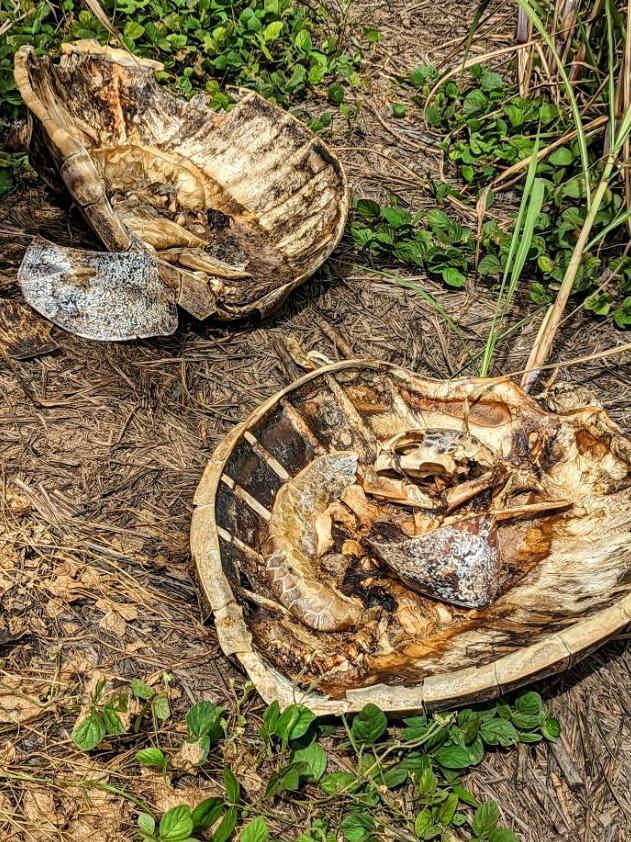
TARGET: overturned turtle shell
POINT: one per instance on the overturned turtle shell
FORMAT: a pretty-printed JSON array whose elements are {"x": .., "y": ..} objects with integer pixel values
[
  {"x": 283, "y": 527},
  {"x": 236, "y": 209}
]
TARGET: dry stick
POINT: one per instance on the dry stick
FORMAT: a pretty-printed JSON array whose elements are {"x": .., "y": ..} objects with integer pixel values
[{"x": 552, "y": 319}]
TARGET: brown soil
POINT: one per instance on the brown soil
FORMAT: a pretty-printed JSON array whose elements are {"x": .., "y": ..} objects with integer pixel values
[{"x": 102, "y": 448}]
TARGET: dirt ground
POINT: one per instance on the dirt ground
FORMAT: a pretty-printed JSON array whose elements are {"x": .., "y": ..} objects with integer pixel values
[{"x": 102, "y": 446}]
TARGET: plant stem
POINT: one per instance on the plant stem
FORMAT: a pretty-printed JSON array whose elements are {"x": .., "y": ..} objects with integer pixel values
[{"x": 552, "y": 319}]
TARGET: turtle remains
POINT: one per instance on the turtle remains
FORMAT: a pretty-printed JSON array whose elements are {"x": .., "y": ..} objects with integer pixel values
[
  {"x": 234, "y": 210},
  {"x": 371, "y": 535}
]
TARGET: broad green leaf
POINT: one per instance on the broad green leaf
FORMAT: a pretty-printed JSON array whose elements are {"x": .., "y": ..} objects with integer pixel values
[
  {"x": 226, "y": 826},
  {"x": 423, "y": 822},
  {"x": 369, "y": 725},
  {"x": 133, "y": 30},
  {"x": 273, "y": 30},
  {"x": 337, "y": 782},
  {"x": 303, "y": 41},
  {"x": 255, "y": 831},
  {"x": 453, "y": 757},
  {"x": 485, "y": 819},
  {"x": 357, "y": 827},
  {"x": 202, "y": 719},
  {"x": 490, "y": 81},
  {"x": 447, "y": 809},
  {"x": 176, "y": 824},
  {"x": 207, "y": 812},
  {"x": 112, "y": 721},
  {"x": 475, "y": 102},
  {"x": 89, "y": 732},
  {"x": 561, "y": 157},
  {"x": 141, "y": 690},
  {"x": 314, "y": 759},
  {"x": 160, "y": 705},
  {"x": 233, "y": 789},
  {"x": 453, "y": 278},
  {"x": 394, "y": 216},
  {"x": 151, "y": 757},
  {"x": 503, "y": 834},
  {"x": 489, "y": 265},
  {"x": 335, "y": 92},
  {"x": 293, "y": 723},
  {"x": 551, "y": 729},
  {"x": 499, "y": 732},
  {"x": 368, "y": 208},
  {"x": 398, "y": 109},
  {"x": 146, "y": 823}
]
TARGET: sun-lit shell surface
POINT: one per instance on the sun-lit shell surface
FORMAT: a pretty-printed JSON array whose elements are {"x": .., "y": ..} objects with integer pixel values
[
  {"x": 557, "y": 576},
  {"x": 240, "y": 207}
]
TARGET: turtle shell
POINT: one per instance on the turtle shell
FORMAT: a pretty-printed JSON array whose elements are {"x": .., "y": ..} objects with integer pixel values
[
  {"x": 238, "y": 208},
  {"x": 303, "y": 604}
]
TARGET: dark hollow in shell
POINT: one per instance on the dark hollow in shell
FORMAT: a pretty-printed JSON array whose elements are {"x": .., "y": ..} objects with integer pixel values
[
  {"x": 240, "y": 207},
  {"x": 565, "y": 579}
]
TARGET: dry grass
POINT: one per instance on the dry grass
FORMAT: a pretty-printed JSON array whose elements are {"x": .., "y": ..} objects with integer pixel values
[{"x": 102, "y": 447}]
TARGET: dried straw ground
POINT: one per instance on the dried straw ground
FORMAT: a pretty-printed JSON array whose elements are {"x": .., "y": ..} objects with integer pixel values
[{"x": 102, "y": 447}]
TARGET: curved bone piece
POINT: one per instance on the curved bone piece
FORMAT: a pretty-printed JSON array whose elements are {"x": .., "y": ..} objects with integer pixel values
[
  {"x": 291, "y": 563},
  {"x": 98, "y": 295},
  {"x": 240, "y": 207}
]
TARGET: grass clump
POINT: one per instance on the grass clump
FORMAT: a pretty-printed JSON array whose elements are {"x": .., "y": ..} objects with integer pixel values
[{"x": 404, "y": 779}]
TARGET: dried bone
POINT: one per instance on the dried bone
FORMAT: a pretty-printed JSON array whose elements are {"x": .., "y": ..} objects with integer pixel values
[
  {"x": 238, "y": 207},
  {"x": 432, "y": 452},
  {"x": 294, "y": 541}
]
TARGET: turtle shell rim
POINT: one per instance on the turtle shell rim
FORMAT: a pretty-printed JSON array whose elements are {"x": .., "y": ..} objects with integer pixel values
[{"x": 552, "y": 654}]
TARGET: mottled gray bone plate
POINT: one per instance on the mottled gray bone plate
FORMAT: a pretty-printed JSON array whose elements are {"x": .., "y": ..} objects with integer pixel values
[
  {"x": 311, "y": 613},
  {"x": 239, "y": 207},
  {"x": 98, "y": 295}
]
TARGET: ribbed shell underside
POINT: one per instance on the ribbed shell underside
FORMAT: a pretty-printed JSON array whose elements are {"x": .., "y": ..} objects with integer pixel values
[
  {"x": 240, "y": 207},
  {"x": 565, "y": 584}
]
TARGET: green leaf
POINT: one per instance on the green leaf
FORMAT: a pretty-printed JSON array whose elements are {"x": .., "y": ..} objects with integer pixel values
[
  {"x": 293, "y": 723},
  {"x": 529, "y": 703},
  {"x": 335, "y": 93},
  {"x": 489, "y": 266},
  {"x": 499, "y": 732},
  {"x": 303, "y": 41},
  {"x": 367, "y": 208},
  {"x": 395, "y": 776},
  {"x": 255, "y": 831},
  {"x": 427, "y": 782},
  {"x": 447, "y": 809},
  {"x": 273, "y": 30},
  {"x": 207, "y": 812},
  {"x": 226, "y": 826},
  {"x": 141, "y": 690},
  {"x": 423, "y": 822},
  {"x": 133, "y": 30},
  {"x": 151, "y": 757},
  {"x": 233, "y": 789},
  {"x": 475, "y": 102},
  {"x": 314, "y": 758},
  {"x": 398, "y": 109},
  {"x": 146, "y": 823},
  {"x": 357, "y": 827},
  {"x": 485, "y": 819},
  {"x": 160, "y": 705},
  {"x": 503, "y": 834},
  {"x": 529, "y": 737},
  {"x": 89, "y": 732},
  {"x": 453, "y": 278},
  {"x": 419, "y": 75},
  {"x": 397, "y": 217},
  {"x": 490, "y": 81},
  {"x": 561, "y": 157},
  {"x": 369, "y": 725},
  {"x": 551, "y": 729},
  {"x": 201, "y": 719},
  {"x": 453, "y": 757},
  {"x": 112, "y": 721},
  {"x": 337, "y": 782},
  {"x": 176, "y": 824}
]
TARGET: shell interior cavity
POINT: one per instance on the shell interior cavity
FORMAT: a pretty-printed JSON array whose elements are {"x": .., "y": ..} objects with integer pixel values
[
  {"x": 237, "y": 208},
  {"x": 370, "y": 535}
]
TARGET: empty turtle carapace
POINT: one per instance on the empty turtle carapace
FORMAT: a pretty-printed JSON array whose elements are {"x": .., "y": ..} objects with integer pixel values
[
  {"x": 235, "y": 208},
  {"x": 344, "y": 530}
]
